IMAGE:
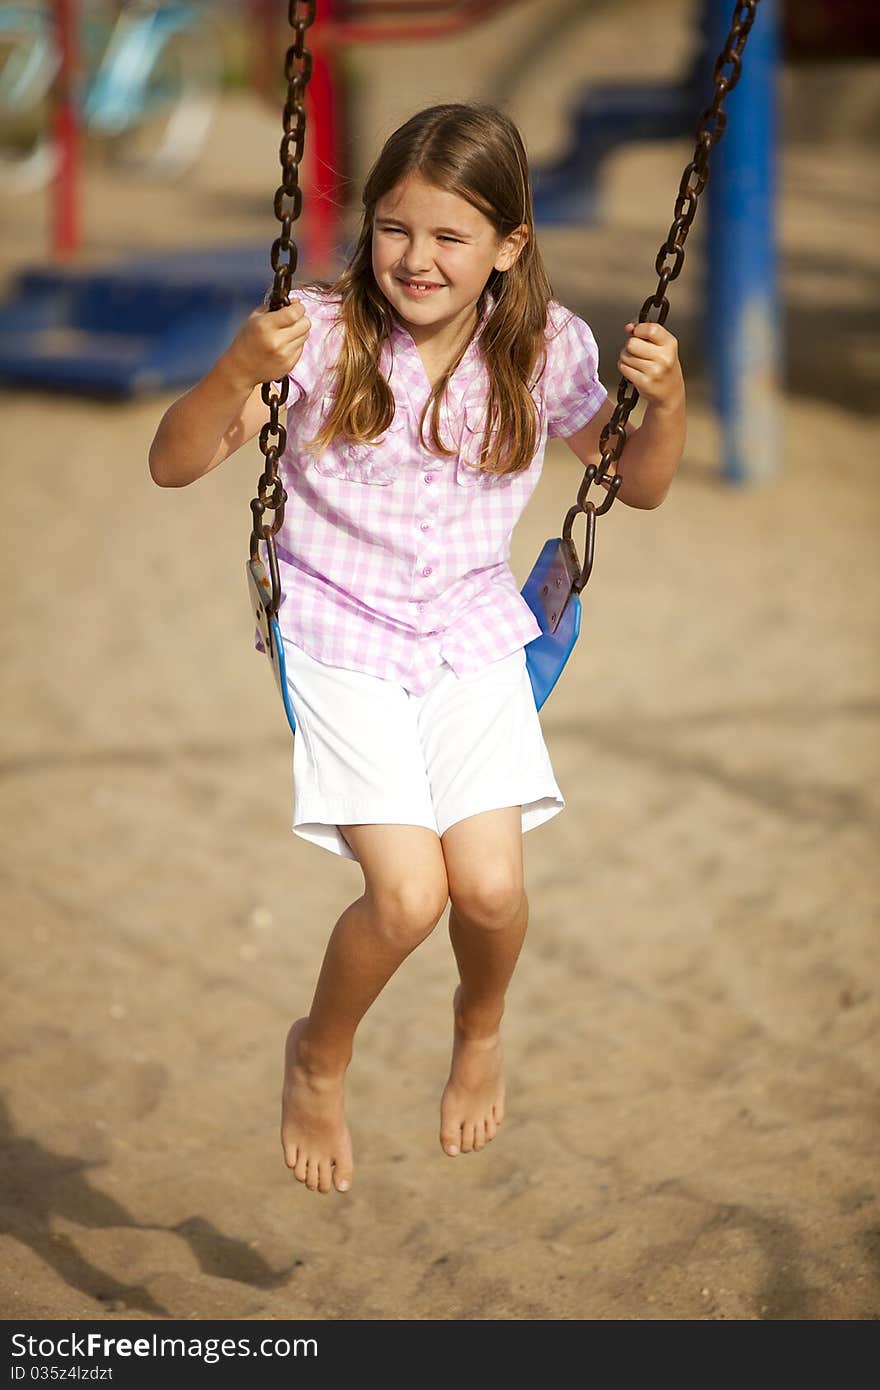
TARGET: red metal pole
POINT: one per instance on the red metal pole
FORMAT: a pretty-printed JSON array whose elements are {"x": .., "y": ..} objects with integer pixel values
[
  {"x": 324, "y": 128},
  {"x": 65, "y": 234}
]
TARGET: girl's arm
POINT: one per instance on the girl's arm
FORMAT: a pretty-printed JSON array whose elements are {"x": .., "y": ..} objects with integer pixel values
[
  {"x": 653, "y": 449},
  {"x": 225, "y": 409}
]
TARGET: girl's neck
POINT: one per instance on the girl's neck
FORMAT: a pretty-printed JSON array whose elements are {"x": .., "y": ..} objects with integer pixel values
[{"x": 444, "y": 341}]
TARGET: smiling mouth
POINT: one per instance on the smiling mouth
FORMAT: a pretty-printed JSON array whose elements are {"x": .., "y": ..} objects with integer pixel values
[{"x": 419, "y": 284}]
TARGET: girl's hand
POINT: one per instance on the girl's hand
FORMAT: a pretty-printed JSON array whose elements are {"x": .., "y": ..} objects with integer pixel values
[
  {"x": 269, "y": 344},
  {"x": 649, "y": 359}
]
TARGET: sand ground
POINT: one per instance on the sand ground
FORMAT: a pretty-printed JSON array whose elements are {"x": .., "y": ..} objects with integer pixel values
[{"x": 692, "y": 1031}]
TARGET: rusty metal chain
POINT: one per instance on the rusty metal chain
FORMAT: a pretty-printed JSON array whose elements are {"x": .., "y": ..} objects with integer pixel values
[
  {"x": 271, "y": 495},
  {"x": 670, "y": 260}
]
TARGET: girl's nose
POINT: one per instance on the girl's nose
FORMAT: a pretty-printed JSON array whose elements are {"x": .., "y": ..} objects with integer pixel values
[{"x": 418, "y": 258}]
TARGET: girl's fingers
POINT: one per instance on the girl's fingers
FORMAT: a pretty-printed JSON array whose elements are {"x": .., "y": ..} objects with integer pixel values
[
  {"x": 647, "y": 366},
  {"x": 653, "y": 332},
  {"x": 637, "y": 347},
  {"x": 297, "y": 332},
  {"x": 652, "y": 336},
  {"x": 633, "y": 374},
  {"x": 287, "y": 313},
  {"x": 648, "y": 384},
  {"x": 284, "y": 338},
  {"x": 649, "y": 360},
  {"x": 275, "y": 339}
]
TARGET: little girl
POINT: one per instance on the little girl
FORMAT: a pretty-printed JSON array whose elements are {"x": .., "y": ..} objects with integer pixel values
[{"x": 424, "y": 385}]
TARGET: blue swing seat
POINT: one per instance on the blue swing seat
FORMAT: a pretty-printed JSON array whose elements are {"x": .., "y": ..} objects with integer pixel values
[
  {"x": 548, "y": 592},
  {"x": 269, "y": 632}
]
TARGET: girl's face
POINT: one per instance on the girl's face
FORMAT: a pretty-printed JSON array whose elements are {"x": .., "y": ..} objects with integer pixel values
[{"x": 432, "y": 255}]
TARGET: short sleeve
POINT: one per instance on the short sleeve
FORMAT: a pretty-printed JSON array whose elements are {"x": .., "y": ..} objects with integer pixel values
[
  {"x": 321, "y": 347},
  {"x": 572, "y": 389}
]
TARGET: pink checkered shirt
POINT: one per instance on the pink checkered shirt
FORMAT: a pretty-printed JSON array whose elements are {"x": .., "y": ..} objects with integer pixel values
[{"x": 392, "y": 559}]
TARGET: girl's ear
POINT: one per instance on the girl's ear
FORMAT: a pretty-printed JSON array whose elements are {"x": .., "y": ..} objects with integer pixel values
[{"x": 511, "y": 247}]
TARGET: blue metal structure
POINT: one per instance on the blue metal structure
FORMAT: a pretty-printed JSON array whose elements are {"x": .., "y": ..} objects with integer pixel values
[
  {"x": 605, "y": 117},
  {"x": 743, "y": 336},
  {"x": 743, "y": 333},
  {"x": 143, "y": 325}
]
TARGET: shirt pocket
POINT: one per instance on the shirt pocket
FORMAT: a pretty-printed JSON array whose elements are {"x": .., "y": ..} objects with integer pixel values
[
  {"x": 467, "y": 465},
  {"x": 378, "y": 463}
]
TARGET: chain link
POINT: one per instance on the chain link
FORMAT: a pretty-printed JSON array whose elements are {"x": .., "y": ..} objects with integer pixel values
[
  {"x": 271, "y": 495},
  {"x": 670, "y": 259}
]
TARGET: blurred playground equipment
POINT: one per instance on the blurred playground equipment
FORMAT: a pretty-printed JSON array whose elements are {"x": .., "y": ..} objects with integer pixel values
[
  {"x": 145, "y": 78},
  {"x": 606, "y": 115},
  {"x": 149, "y": 323},
  {"x": 63, "y": 326}
]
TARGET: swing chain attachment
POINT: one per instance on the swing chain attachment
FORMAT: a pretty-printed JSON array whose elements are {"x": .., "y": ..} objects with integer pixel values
[
  {"x": 271, "y": 495},
  {"x": 670, "y": 259}
]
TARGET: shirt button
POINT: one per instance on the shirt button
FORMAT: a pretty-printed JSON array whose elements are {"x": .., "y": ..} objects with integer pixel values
[
  {"x": 429, "y": 569},
  {"x": 426, "y": 525},
  {"x": 429, "y": 477}
]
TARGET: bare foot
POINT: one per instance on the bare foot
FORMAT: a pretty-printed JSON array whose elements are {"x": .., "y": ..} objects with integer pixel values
[
  {"x": 472, "y": 1107},
  {"x": 314, "y": 1135}
]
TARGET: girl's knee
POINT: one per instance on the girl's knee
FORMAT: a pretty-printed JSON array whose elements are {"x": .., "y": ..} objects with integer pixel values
[
  {"x": 490, "y": 901},
  {"x": 407, "y": 909}
]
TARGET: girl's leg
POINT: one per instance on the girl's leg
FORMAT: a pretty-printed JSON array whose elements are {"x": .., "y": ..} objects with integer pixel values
[
  {"x": 487, "y": 925},
  {"x": 405, "y": 896}
]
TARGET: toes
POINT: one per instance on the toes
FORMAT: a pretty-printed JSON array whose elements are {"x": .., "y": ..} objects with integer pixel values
[
  {"x": 467, "y": 1138},
  {"x": 491, "y": 1128},
  {"x": 341, "y": 1178},
  {"x": 320, "y": 1175},
  {"x": 479, "y": 1136},
  {"x": 290, "y": 1154},
  {"x": 450, "y": 1141}
]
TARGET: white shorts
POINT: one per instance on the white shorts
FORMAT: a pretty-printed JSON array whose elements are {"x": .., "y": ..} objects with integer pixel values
[{"x": 367, "y": 751}]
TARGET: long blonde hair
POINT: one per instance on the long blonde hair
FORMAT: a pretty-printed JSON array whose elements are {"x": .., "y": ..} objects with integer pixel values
[{"x": 475, "y": 151}]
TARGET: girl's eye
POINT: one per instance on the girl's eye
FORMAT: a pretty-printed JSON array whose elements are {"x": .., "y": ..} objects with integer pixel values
[{"x": 393, "y": 231}]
